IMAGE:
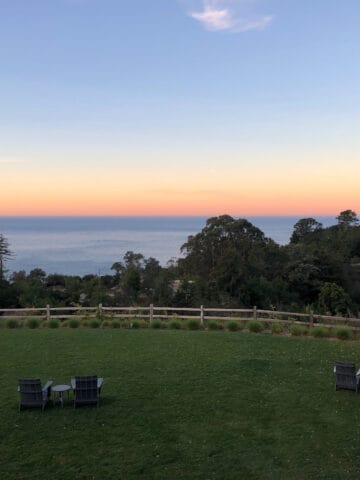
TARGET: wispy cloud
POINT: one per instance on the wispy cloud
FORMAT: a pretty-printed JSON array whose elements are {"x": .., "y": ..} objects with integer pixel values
[{"x": 227, "y": 15}]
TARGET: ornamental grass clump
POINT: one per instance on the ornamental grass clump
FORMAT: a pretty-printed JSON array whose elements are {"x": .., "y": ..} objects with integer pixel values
[
  {"x": 157, "y": 324},
  {"x": 74, "y": 323},
  {"x": 94, "y": 323},
  {"x": 343, "y": 333},
  {"x": 255, "y": 327},
  {"x": 12, "y": 323},
  {"x": 135, "y": 324},
  {"x": 319, "y": 332},
  {"x": 212, "y": 325},
  {"x": 276, "y": 328},
  {"x": 297, "y": 330},
  {"x": 105, "y": 324},
  {"x": 193, "y": 325},
  {"x": 32, "y": 323},
  {"x": 115, "y": 324},
  {"x": 53, "y": 323},
  {"x": 233, "y": 326},
  {"x": 175, "y": 325}
]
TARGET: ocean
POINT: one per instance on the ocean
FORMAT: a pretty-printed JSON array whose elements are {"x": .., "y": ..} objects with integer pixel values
[{"x": 90, "y": 245}]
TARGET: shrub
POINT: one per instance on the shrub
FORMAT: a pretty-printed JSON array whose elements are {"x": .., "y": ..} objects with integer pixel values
[
  {"x": 53, "y": 323},
  {"x": 156, "y": 324},
  {"x": 193, "y": 325},
  {"x": 233, "y": 326},
  {"x": 220, "y": 326},
  {"x": 319, "y": 332},
  {"x": 255, "y": 327},
  {"x": 343, "y": 333},
  {"x": 213, "y": 325},
  {"x": 64, "y": 324},
  {"x": 175, "y": 325},
  {"x": 105, "y": 323},
  {"x": 84, "y": 322},
  {"x": 94, "y": 323},
  {"x": 276, "y": 328},
  {"x": 115, "y": 324},
  {"x": 297, "y": 330},
  {"x": 32, "y": 323},
  {"x": 74, "y": 323},
  {"x": 12, "y": 323},
  {"x": 136, "y": 324}
]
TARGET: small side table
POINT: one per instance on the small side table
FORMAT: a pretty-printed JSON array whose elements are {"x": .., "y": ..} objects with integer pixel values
[{"x": 60, "y": 390}]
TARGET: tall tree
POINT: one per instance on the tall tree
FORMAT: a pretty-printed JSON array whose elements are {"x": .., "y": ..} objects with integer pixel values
[
  {"x": 5, "y": 254},
  {"x": 304, "y": 227},
  {"x": 348, "y": 218}
]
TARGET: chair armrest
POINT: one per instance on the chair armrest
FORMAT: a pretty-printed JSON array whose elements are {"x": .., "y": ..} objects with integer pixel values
[
  {"x": 73, "y": 383},
  {"x": 100, "y": 382},
  {"x": 47, "y": 386},
  {"x": 358, "y": 373},
  {"x": 335, "y": 369}
]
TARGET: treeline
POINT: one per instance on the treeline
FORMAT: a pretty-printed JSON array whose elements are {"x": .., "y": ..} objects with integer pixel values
[{"x": 230, "y": 263}]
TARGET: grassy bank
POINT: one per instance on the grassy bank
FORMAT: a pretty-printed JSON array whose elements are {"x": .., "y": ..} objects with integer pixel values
[{"x": 181, "y": 405}]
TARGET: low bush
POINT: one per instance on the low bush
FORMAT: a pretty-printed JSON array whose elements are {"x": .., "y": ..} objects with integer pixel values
[
  {"x": 105, "y": 323},
  {"x": 276, "y": 328},
  {"x": 12, "y": 323},
  {"x": 175, "y": 325},
  {"x": 94, "y": 323},
  {"x": 84, "y": 322},
  {"x": 193, "y": 324},
  {"x": 136, "y": 324},
  {"x": 64, "y": 324},
  {"x": 297, "y": 330},
  {"x": 212, "y": 325},
  {"x": 343, "y": 333},
  {"x": 74, "y": 323},
  {"x": 233, "y": 326},
  {"x": 53, "y": 323},
  {"x": 115, "y": 324},
  {"x": 319, "y": 332},
  {"x": 255, "y": 327},
  {"x": 156, "y": 324},
  {"x": 32, "y": 323}
]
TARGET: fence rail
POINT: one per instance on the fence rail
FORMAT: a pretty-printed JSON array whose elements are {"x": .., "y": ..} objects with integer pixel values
[{"x": 202, "y": 313}]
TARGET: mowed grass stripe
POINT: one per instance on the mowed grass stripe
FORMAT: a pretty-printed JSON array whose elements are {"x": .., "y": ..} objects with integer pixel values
[{"x": 180, "y": 405}]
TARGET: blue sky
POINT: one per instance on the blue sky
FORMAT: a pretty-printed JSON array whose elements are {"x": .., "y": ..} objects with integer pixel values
[{"x": 228, "y": 89}]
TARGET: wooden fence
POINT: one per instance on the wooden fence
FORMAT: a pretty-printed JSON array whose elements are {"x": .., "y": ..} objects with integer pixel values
[{"x": 202, "y": 313}]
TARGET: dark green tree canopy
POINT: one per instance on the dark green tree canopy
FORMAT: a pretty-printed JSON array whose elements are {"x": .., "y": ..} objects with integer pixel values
[
  {"x": 348, "y": 218},
  {"x": 304, "y": 227}
]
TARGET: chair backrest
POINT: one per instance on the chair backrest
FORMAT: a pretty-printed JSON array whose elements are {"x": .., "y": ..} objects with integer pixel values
[
  {"x": 86, "y": 389},
  {"x": 30, "y": 392},
  {"x": 345, "y": 375}
]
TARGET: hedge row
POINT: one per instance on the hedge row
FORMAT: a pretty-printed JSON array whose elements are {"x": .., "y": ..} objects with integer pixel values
[{"x": 342, "y": 332}]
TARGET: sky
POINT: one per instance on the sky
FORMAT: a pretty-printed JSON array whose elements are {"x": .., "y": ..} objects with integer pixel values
[{"x": 179, "y": 107}]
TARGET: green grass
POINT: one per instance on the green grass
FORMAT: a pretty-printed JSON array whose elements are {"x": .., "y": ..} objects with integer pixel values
[{"x": 180, "y": 405}]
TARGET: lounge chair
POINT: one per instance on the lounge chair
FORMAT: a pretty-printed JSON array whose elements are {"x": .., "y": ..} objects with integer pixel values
[
  {"x": 87, "y": 390},
  {"x": 32, "y": 394},
  {"x": 346, "y": 376}
]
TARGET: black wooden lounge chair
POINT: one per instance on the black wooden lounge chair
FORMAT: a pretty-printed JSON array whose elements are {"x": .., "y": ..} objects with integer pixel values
[
  {"x": 346, "y": 376},
  {"x": 86, "y": 390},
  {"x": 32, "y": 394}
]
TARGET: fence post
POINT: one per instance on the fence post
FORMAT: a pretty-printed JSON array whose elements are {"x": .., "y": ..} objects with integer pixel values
[
  {"x": 100, "y": 311},
  {"x": 47, "y": 312},
  {"x": 311, "y": 318},
  {"x": 255, "y": 312},
  {"x": 202, "y": 314},
  {"x": 151, "y": 313}
]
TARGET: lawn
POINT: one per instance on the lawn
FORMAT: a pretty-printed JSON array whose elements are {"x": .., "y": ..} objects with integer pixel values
[{"x": 180, "y": 405}]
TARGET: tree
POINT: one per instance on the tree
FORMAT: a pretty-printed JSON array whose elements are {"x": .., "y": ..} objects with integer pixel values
[
  {"x": 5, "y": 254},
  {"x": 304, "y": 227},
  {"x": 348, "y": 218},
  {"x": 333, "y": 299}
]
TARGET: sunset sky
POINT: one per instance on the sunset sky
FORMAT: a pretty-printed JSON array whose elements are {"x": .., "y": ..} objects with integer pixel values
[{"x": 179, "y": 107}]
